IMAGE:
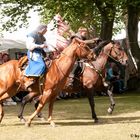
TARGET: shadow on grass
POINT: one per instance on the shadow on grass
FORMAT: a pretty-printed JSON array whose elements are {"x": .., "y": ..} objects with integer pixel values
[{"x": 83, "y": 122}]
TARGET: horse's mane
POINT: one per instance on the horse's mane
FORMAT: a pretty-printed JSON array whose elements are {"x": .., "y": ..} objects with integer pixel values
[{"x": 100, "y": 46}]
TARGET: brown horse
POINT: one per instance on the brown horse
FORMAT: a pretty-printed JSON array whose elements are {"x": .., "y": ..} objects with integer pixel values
[
  {"x": 28, "y": 97},
  {"x": 10, "y": 82},
  {"x": 52, "y": 88},
  {"x": 91, "y": 80},
  {"x": 55, "y": 77}
]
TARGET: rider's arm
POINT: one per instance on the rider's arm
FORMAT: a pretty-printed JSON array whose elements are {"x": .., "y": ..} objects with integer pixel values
[{"x": 30, "y": 44}]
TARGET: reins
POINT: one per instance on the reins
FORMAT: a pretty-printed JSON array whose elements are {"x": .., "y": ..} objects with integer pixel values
[
  {"x": 96, "y": 70},
  {"x": 99, "y": 71},
  {"x": 79, "y": 45},
  {"x": 111, "y": 56}
]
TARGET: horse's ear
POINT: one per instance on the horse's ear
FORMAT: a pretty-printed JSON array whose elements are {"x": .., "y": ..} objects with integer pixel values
[{"x": 112, "y": 41}]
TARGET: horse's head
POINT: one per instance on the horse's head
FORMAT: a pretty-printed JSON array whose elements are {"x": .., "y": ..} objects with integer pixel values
[
  {"x": 83, "y": 51},
  {"x": 118, "y": 54}
]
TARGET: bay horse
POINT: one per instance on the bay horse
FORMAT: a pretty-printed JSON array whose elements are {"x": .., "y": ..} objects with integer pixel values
[
  {"x": 51, "y": 89},
  {"x": 55, "y": 77},
  {"x": 91, "y": 79}
]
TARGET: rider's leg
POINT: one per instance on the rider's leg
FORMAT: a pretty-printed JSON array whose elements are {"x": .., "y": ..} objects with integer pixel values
[{"x": 28, "y": 81}]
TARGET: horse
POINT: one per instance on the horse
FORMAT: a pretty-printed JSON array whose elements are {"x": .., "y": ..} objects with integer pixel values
[
  {"x": 55, "y": 77},
  {"x": 10, "y": 82},
  {"x": 56, "y": 43},
  {"x": 51, "y": 89},
  {"x": 91, "y": 79}
]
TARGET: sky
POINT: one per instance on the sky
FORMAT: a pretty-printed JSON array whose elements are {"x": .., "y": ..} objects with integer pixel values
[{"x": 35, "y": 21}]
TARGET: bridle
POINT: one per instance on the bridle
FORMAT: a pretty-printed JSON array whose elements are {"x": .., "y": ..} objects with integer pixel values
[
  {"x": 79, "y": 46},
  {"x": 108, "y": 54},
  {"x": 118, "y": 54}
]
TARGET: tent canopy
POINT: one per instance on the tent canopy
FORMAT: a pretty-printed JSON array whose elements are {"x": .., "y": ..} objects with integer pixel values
[{"x": 12, "y": 47}]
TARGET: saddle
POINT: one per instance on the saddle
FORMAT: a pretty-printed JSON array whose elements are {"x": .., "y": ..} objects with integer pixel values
[{"x": 22, "y": 64}]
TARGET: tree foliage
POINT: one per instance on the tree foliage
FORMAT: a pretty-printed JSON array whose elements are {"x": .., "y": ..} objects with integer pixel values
[
  {"x": 76, "y": 12},
  {"x": 88, "y": 13}
]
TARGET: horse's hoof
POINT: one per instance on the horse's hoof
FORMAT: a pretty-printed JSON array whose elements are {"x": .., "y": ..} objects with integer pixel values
[
  {"x": 27, "y": 124},
  {"x": 52, "y": 124},
  {"x": 22, "y": 120},
  {"x": 42, "y": 119},
  {"x": 96, "y": 120},
  {"x": 109, "y": 110}
]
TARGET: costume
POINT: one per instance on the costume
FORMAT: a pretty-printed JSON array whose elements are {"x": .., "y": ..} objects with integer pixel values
[{"x": 36, "y": 66}]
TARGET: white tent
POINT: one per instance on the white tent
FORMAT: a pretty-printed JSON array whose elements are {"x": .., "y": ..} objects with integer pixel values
[{"x": 12, "y": 47}]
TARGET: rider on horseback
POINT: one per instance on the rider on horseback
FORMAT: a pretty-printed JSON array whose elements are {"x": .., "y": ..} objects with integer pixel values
[{"x": 36, "y": 66}]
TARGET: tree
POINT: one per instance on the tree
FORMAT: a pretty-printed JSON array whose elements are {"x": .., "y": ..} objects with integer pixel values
[
  {"x": 88, "y": 13},
  {"x": 107, "y": 10},
  {"x": 133, "y": 8},
  {"x": 77, "y": 12}
]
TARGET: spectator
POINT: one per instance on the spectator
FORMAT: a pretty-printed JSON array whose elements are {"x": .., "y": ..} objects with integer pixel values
[
  {"x": 113, "y": 75},
  {"x": 5, "y": 57}
]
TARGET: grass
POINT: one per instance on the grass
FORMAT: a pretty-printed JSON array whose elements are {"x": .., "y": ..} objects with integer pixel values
[{"x": 73, "y": 121}]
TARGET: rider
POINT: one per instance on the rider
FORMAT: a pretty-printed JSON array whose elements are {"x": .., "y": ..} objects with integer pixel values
[
  {"x": 35, "y": 44},
  {"x": 83, "y": 35}
]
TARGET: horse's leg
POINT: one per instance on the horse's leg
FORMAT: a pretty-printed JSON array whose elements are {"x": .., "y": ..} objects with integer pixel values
[
  {"x": 2, "y": 98},
  {"x": 1, "y": 112},
  {"x": 51, "y": 103},
  {"x": 3, "y": 88},
  {"x": 44, "y": 98},
  {"x": 25, "y": 100},
  {"x": 90, "y": 94},
  {"x": 112, "y": 105},
  {"x": 39, "y": 115}
]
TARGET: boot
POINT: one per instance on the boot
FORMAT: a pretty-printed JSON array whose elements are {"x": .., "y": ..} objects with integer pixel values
[{"x": 28, "y": 81}]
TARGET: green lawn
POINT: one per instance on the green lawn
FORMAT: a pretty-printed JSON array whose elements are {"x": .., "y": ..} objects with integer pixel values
[{"x": 73, "y": 121}]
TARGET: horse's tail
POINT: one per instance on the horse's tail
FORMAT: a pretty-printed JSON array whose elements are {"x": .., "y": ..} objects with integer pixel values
[{"x": 23, "y": 60}]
